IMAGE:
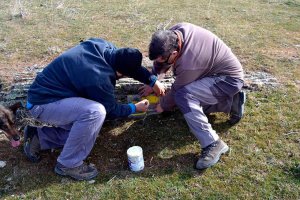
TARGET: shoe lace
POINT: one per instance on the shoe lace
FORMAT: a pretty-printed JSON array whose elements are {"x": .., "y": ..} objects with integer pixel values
[
  {"x": 206, "y": 150},
  {"x": 85, "y": 168}
]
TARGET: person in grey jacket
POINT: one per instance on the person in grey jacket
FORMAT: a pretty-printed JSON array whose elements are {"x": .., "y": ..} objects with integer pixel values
[
  {"x": 75, "y": 94},
  {"x": 209, "y": 78}
]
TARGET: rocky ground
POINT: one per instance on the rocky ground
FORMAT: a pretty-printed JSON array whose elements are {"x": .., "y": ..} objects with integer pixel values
[{"x": 22, "y": 80}]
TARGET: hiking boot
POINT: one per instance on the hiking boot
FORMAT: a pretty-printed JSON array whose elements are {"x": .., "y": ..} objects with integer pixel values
[
  {"x": 82, "y": 172},
  {"x": 237, "y": 108},
  {"x": 32, "y": 145},
  {"x": 210, "y": 155}
]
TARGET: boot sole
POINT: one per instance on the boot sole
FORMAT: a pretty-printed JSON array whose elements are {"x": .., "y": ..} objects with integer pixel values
[
  {"x": 62, "y": 173},
  {"x": 242, "y": 111},
  {"x": 244, "y": 98},
  {"x": 25, "y": 134}
]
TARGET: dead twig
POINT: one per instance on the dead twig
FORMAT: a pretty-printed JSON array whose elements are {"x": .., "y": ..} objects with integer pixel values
[
  {"x": 291, "y": 132},
  {"x": 163, "y": 26},
  {"x": 110, "y": 180}
]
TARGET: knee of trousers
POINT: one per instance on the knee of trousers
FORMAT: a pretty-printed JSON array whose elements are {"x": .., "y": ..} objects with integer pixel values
[
  {"x": 96, "y": 112},
  {"x": 182, "y": 98}
]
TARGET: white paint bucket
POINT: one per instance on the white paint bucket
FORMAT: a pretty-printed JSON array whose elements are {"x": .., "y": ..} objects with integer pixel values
[{"x": 135, "y": 158}]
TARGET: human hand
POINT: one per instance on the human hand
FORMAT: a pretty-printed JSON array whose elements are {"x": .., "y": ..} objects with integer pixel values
[
  {"x": 159, "y": 88},
  {"x": 159, "y": 108},
  {"x": 145, "y": 90},
  {"x": 142, "y": 106}
]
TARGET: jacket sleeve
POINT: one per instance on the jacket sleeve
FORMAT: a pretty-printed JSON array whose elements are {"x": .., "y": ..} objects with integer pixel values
[
  {"x": 105, "y": 96},
  {"x": 144, "y": 76}
]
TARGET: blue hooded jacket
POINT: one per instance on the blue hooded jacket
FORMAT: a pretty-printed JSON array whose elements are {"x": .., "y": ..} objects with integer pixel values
[{"x": 87, "y": 70}]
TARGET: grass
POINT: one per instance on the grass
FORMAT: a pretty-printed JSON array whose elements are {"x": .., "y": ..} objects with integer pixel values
[{"x": 264, "y": 159}]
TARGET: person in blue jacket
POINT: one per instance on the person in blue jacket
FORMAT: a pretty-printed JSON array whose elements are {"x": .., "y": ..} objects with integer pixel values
[{"x": 75, "y": 93}]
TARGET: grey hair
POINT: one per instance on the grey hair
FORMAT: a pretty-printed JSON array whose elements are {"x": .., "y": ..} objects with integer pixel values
[{"x": 163, "y": 42}]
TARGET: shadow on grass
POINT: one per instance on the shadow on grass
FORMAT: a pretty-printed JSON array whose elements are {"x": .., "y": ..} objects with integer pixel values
[
  {"x": 295, "y": 171},
  {"x": 168, "y": 147},
  {"x": 219, "y": 123}
]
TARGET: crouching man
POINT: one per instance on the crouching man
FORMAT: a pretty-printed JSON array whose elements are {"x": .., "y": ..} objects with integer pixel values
[
  {"x": 75, "y": 93},
  {"x": 209, "y": 79}
]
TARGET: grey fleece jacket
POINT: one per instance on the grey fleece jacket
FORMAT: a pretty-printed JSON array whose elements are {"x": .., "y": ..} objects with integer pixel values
[{"x": 203, "y": 54}]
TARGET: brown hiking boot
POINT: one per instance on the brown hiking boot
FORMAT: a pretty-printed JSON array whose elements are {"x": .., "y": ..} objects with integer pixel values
[
  {"x": 82, "y": 172},
  {"x": 211, "y": 154}
]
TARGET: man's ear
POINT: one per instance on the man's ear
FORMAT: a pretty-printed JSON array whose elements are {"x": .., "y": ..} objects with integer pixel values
[{"x": 175, "y": 53}]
